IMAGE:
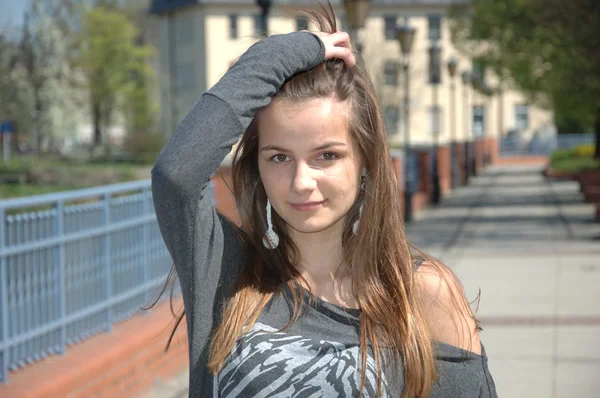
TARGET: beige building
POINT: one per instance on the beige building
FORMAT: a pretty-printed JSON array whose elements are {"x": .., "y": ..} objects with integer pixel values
[{"x": 199, "y": 39}]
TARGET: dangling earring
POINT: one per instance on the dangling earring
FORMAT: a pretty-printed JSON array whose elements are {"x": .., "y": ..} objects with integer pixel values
[
  {"x": 360, "y": 211},
  {"x": 271, "y": 239}
]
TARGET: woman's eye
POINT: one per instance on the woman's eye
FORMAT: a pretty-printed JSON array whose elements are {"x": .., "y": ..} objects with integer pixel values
[
  {"x": 329, "y": 156},
  {"x": 279, "y": 158}
]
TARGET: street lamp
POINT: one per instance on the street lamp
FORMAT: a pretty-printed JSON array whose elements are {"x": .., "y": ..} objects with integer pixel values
[
  {"x": 356, "y": 14},
  {"x": 264, "y": 5},
  {"x": 435, "y": 78},
  {"x": 406, "y": 36},
  {"x": 452, "y": 65},
  {"x": 466, "y": 79}
]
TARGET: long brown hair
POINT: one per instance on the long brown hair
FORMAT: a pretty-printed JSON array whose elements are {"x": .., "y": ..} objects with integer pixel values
[{"x": 392, "y": 321}]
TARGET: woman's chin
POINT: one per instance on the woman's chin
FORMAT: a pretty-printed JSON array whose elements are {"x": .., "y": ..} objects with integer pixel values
[{"x": 312, "y": 226}]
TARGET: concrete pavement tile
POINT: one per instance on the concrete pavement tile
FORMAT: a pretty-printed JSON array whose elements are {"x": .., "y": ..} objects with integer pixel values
[
  {"x": 520, "y": 378},
  {"x": 177, "y": 387},
  {"x": 506, "y": 285},
  {"x": 579, "y": 343},
  {"x": 579, "y": 292},
  {"x": 578, "y": 379},
  {"x": 518, "y": 342}
]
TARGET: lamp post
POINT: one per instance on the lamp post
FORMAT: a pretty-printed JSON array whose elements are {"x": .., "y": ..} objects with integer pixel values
[
  {"x": 452, "y": 65},
  {"x": 478, "y": 86},
  {"x": 466, "y": 79},
  {"x": 435, "y": 78},
  {"x": 356, "y": 13},
  {"x": 265, "y": 6},
  {"x": 406, "y": 36}
]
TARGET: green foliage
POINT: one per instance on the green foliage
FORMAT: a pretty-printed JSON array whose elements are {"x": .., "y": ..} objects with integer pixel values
[
  {"x": 575, "y": 159},
  {"x": 114, "y": 65},
  {"x": 13, "y": 101},
  {"x": 559, "y": 155},
  {"x": 547, "y": 48},
  {"x": 583, "y": 151},
  {"x": 16, "y": 190},
  {"x": 574, "y": 164}
]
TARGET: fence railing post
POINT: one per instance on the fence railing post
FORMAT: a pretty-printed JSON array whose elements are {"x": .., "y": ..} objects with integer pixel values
[
  {"x": 3, "y": 303},
  {"x": 106, "y": 247},
  {"x": 62, "y": 283},
  {"x": 145, "y": 238}
]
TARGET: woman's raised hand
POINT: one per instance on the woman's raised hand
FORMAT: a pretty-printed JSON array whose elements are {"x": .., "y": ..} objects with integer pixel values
[{"x": 337, "y": 45}]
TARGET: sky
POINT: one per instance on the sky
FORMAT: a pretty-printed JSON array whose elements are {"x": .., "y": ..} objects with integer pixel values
[
  {"x": 11, "y": 16},
  {"x": 11, "y": 11}
]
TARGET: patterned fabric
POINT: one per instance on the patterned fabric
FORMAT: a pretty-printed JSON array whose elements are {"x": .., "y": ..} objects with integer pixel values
[{"x": 267, "y": 363}]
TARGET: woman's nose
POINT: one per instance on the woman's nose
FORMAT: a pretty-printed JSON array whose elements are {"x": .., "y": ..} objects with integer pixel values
[{"x": 304, "y": 178}]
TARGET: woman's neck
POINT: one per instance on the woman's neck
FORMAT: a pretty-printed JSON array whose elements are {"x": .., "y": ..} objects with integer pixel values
[
  {"x": 323, "y": 267},
  {"x": 321, "y": 253}
]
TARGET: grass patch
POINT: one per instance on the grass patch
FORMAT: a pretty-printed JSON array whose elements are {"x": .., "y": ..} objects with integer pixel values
[
  {"x": 47, "y": 175},
  {"x": 18, "y": 190}
]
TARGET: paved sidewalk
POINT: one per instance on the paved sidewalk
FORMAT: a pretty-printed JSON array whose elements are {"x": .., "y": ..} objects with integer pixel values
[{"x": 531, "y": 247}]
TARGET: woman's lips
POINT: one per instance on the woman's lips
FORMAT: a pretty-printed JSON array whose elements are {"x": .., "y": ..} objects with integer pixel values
[{"x": 306, "y": 206}]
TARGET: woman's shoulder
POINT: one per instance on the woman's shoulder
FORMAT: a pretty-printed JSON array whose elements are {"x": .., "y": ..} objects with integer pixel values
[{"x": 446, "y": 309}]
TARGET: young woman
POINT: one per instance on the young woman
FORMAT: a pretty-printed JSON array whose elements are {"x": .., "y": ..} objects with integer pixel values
[{"x": 315, "y": 293}]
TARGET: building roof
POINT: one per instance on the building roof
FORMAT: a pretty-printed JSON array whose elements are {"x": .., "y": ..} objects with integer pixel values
[{"x": 166, "y": 6}]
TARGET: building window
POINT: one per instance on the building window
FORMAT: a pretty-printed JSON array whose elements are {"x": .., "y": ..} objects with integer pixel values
[
  {"x": 435, "y": 27},
  {"x": 391, "y": 118},
  {"x": 389, "y": 27},
  {"x": 233, "y": 26},
  {"x": 185, "y": 77},
  {"x": 258, "y": 30},
  {"x": 435, "y": 120},
  {"x": 435, "y": 64},
  {"x": 184, "y": 29},
  {"x": 301, "y": 23},
  {"x": 390, "y": 73},
  {"x": 478, "y": 120},
  {"x": 521, "y": 117}
]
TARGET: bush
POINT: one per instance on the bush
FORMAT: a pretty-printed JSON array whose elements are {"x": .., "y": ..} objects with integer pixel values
[
  {"x": 559, "y": 155},
  {"x": 575, "y": 165},
  {"x": 584, "y": 151},
  {"x": 574, "y": 160}
]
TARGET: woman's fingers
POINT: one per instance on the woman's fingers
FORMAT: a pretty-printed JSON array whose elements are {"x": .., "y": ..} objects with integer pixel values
[
  {"x": 342, "y": 39},
  {"x": 345, "y": 54},
  {"x": 337, "y": 45}
]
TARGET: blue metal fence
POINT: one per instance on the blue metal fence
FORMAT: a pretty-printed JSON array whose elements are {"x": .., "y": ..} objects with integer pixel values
[
  {"x": 72, "y": 264},
  {"x": 540, "y": 145}
]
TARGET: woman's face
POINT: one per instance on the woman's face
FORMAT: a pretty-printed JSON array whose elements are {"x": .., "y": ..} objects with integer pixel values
[{"x": 309, "y": 164}]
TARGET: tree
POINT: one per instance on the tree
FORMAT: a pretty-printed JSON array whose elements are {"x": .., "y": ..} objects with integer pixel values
[
  {"x": 37, "y": 77},
  {"x": 11, "y": 96},
  {"x": 547, "y": 48},
  {"x": 113, "y": 63}
]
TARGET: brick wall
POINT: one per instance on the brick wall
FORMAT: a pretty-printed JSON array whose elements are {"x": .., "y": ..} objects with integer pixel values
[
  {"x": 460, "y": 154},
  {"x": 445, "y": 169},
  {"x": 122, "y": 363},
  {"x": 224, "y": 194}
]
